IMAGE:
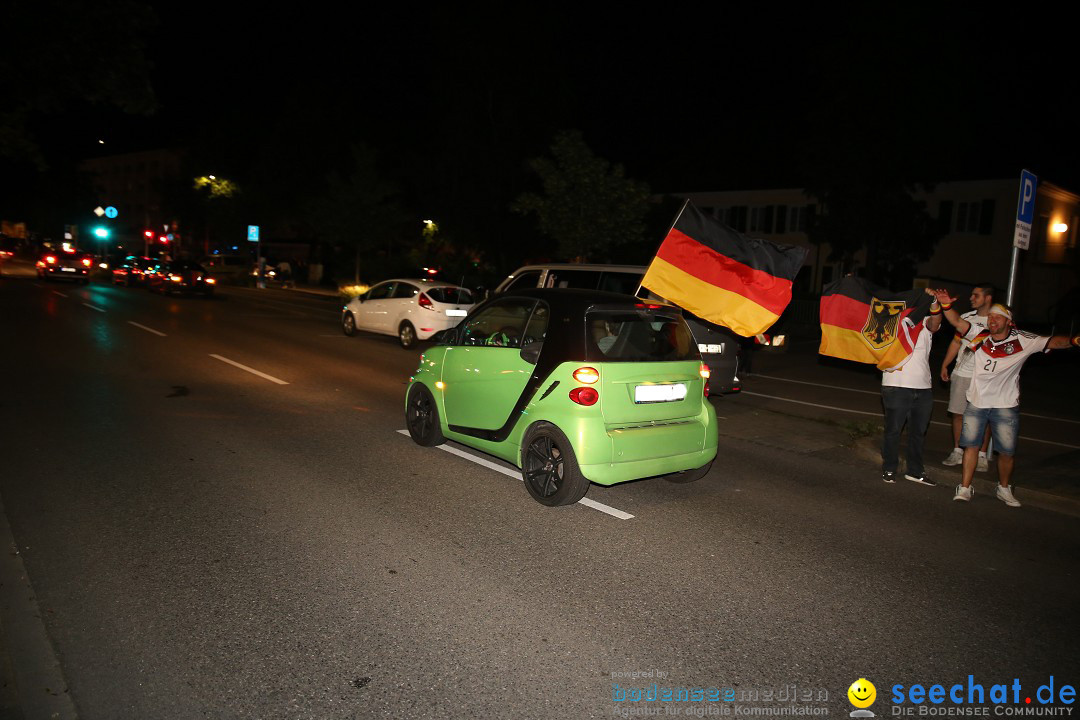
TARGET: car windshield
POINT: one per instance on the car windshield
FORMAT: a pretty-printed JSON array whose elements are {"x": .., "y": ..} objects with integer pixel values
[
  {"x": 638, "y": 336},
  {"x": 451, "y": 295}
]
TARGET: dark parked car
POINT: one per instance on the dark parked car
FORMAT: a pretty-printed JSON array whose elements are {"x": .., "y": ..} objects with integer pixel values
[
  {"x": 66, "y": 264},
  {"x": 179, "y": 276},
  {"x": 132, "y": 270}
]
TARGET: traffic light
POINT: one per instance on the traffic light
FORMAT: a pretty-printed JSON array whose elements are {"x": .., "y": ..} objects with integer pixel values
[{"x": 101, "y": 232}]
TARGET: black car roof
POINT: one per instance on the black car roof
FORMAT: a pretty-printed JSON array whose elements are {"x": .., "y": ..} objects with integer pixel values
[
  {"x": 568, "y": 307},
  {"x": 571, "y": 300}
]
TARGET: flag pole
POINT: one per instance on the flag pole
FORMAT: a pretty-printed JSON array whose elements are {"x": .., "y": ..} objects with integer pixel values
[{"x": 673, "y": 224}]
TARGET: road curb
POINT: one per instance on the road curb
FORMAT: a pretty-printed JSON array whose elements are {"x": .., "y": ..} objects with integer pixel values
[{"x": 41, "y": 688}]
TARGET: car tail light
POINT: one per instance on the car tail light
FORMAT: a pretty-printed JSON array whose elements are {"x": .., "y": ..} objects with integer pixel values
[
  {"x": 703, "y": 371},
  {"x": 425, "y": 302},
  {"x": 584, "y": 395},
  {"x": 586, "y": 375},
  {"x": 51, "y": 259},
  {"x": 86, "y": 262},
  {"x": 210, "y": 281}
]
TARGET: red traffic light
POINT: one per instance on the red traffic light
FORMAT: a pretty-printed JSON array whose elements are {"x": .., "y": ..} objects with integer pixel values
[{"x": 148, "y": 234}]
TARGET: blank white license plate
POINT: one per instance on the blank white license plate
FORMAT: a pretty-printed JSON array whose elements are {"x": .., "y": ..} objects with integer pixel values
[
  {"x": 456, "y": 313},
  {"x": 713, "y": 349},
  {"x": 659, "y": 393},
  {"x": 67, "y": 269}
]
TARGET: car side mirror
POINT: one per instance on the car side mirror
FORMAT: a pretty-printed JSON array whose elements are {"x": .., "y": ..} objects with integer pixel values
[
  {"x": 530, "y": 352},
  {"x": 445, "y": 337}
]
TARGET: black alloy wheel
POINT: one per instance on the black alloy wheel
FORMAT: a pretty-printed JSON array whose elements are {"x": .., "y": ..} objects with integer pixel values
[
  {"x": 422, "y": 417},
  {"x": 549, "y": 467}
]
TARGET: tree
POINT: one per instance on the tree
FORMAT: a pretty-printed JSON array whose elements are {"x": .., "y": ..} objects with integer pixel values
[
  {"x": 884, "y": 219},
  {"x": 588, "y": 206},
  {"x": 359, "y": 212}
]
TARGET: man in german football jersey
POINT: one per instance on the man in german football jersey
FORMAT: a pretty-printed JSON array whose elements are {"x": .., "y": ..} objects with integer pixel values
[
  {"x": 994, "y": 394},
  {"x": 982, "y": 297}
]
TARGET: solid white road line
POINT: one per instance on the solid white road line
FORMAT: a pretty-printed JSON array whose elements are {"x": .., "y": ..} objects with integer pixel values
[
  {"x": 57, "y": 292},
  {"x": 94, "y": 307},
  {"x": 149, "y": 330},
  {"x": 801, "y": 402},
  {"x": 880, "y": 415},
  {"x": 607, "y": 509},
  {"x": 874, "y": 392},
  {"x": 253, "y": 371}
]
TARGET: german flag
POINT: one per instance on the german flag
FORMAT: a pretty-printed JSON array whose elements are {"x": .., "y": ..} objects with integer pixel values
[
  {"x": 869, "y": 324},
  {"x": 723, "y": 276}
]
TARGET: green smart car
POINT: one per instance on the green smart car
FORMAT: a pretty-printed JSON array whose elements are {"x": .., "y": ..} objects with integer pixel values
[{"x": 573, "y": 387}]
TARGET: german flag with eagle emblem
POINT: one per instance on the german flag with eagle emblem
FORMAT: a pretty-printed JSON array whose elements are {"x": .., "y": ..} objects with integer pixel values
[{"x": 869, "y": 324}]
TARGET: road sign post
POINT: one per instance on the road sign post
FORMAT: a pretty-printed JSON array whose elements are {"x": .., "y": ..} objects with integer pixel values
[
  {"x": 1025, "y": 214},
  {"x": 253, "y": 236}
]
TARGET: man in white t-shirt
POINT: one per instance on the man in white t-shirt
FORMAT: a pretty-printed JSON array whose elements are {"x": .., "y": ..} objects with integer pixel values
[
  {"x": 907, "y": 395},
  {"x": 982, "y": 297},
  {"x": 994, "y": 394}
]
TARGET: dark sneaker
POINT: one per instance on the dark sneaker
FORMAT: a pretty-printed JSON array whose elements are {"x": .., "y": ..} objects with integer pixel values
[
  {"x": 889, "y": 477},
  {"x": 921, "y": 479}
]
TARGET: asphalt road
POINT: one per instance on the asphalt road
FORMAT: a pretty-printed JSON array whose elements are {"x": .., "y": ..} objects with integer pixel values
[{"x": 205, "y": 541}]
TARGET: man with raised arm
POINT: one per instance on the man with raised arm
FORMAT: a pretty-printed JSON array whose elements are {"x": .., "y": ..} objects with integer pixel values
[
  {"x": 994, "y": 394},
  {"x": 982, "y": 297}
]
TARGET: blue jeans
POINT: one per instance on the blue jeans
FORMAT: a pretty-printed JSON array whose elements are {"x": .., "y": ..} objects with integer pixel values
[
  {"x": 1004, "y": 426},
  {"x": 905, "y": 406}
]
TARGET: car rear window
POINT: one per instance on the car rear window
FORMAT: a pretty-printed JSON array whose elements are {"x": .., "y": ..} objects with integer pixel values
[
  {"x": 451, "y": 295},
  {"x": 638, "y": 336}
]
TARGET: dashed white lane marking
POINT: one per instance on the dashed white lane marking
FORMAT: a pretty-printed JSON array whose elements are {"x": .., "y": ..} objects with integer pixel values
[
  {"x": 878, "y": 415},
  {"x": 57, "y": 292},
  {"x": 874, "y": 392},
  {"x": 607, "y": 509},
  {"x": 149, "y": 330},
  {"x": 94, "y": 307},
  {"x": 253, "y": 371}
]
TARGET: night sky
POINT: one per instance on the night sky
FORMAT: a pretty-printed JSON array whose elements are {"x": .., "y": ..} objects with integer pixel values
[{"x": 698, "y": 99}]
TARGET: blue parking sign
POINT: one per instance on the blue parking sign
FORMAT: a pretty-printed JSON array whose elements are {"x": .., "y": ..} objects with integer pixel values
[
  {"x": 253, "y": 233},
  {"x": 1025, "y": 210}
]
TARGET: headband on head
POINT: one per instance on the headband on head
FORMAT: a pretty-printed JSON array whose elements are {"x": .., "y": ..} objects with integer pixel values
[{"x": 999, "y": 309}]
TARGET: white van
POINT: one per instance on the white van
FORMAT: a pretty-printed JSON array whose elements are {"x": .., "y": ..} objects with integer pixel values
[{"x": 719, "y": 346}]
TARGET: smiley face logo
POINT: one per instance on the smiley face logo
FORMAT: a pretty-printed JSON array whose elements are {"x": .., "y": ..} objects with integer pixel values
[{"x": 862, "y": 693}]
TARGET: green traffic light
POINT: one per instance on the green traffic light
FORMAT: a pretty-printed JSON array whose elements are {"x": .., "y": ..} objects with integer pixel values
[{"x": 101, "y": 232}]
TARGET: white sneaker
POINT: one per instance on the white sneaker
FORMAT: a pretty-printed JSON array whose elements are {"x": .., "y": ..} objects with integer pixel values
[
  {"x": 982, "y": 465},
  {"x": 955, "y": 457},
  {"x": 963, "y": 493},
  {"x": 1004, "y": 494}
]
